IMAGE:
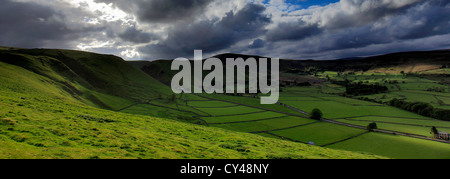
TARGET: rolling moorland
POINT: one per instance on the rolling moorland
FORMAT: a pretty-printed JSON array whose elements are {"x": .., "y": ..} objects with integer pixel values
[{"x": 72, "y": 104}]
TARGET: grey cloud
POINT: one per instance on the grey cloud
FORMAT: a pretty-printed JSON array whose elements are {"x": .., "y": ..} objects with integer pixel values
[
  {"x": 423, "y": 20},
  {"x": 137, "y": 36},
  {"x": 346, "y": 14},
  {"x": 428, "y": 19},
  {"x": 362, "y": 12},
  {"x": 161, "y": 11},
  {"x": 350, "y": 27},
  {"x": 212, "y": 35},
  {"x": 361, "y": 27},
  {"x": 30, "y": 25},
  {"x": 293, "y": 31}
]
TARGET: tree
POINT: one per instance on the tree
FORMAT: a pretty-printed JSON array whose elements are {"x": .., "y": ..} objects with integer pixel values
[
  {"x": 434, "y": 131},
  {"x": 316, "y": 114},
  {"x": 372, "y": 126}
]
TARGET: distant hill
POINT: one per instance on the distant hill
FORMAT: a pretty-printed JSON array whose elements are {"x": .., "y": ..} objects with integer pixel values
[{"x": 408, "y": 62}]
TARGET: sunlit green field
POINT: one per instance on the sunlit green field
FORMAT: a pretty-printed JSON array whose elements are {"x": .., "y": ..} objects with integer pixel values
[
  {"x": 319, "y": 133},
  {"x": 396, "y": 146}
]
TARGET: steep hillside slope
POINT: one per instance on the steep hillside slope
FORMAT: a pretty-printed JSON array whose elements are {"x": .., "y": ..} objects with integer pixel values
[{"x": 101, "y": 80}]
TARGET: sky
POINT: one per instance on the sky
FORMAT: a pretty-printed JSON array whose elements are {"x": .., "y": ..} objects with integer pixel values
[{"x": 168, "y": 29}]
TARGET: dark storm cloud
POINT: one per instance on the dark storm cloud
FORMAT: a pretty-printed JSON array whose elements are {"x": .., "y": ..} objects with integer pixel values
[
  {"x": 212, "y": 35},
  {"x": 293, "y": 31},
  {"x": 356, "y": 27},
  {"x": 165, "y": 11},
  {"x": 422, "y": 20},
  {"x": 30, "y": 24},
  {"x": 174, "y": 28},
  {"x": 136, "y": 36},
  {"x": 429, "y": 19},
  {"x": 346, "y": 14},
  {"x": 362, "y": 12}
]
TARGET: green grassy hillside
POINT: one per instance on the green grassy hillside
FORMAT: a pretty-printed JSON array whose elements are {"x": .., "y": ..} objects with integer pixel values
[
  {"x": 64, "y": 104},
  {"x": 104, "y": 73}
]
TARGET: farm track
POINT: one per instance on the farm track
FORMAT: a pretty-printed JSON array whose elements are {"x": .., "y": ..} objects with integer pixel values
[
  {"x": 397, "y": 117},
  {"x": 397, "y": 123}
]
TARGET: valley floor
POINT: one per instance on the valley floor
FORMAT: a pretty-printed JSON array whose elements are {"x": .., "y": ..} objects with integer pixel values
[{"x": 344, "y": 128}]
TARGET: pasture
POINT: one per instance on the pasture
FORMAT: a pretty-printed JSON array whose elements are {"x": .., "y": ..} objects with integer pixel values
[{"x": 294, "y": 126}]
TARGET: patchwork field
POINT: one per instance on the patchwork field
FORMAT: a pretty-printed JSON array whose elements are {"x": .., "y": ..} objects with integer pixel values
[{"x": 230, "y": 113}]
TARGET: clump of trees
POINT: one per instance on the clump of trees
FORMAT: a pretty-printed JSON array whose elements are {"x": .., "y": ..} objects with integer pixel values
[
  {"x": 422, "y": 108},
  {"x": 357, "y": 89},
  {"x": 302, "y": 84},
  {"x": 372, "y": 126},
  {"x": 437, "y": 89},
  {"x": 316, "y": 114}
]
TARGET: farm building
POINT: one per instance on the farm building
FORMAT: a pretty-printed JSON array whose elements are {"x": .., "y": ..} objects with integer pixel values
[{"x": 443, "y": 135}]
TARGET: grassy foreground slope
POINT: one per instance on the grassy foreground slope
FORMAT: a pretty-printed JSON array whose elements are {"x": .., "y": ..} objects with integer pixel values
[
  {"x": 47, "y": 111},
  {"x": 42, "y": 127}
]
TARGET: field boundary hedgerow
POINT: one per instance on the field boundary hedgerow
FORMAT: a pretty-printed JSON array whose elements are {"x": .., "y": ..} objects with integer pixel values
[
  {"x": 236, "y": 105},
  {"x": 256, "y": 120},
  {"x": 284, "y": 138},
  {"x": 240, "y": 114},
  {"x": 343, "y": 140},
  {"x": 257, "y": 132},
  {"x": 257, "y": 107}
]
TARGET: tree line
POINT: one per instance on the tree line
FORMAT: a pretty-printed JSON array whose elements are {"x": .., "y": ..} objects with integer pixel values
[{"x": 422, "y": 108}]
